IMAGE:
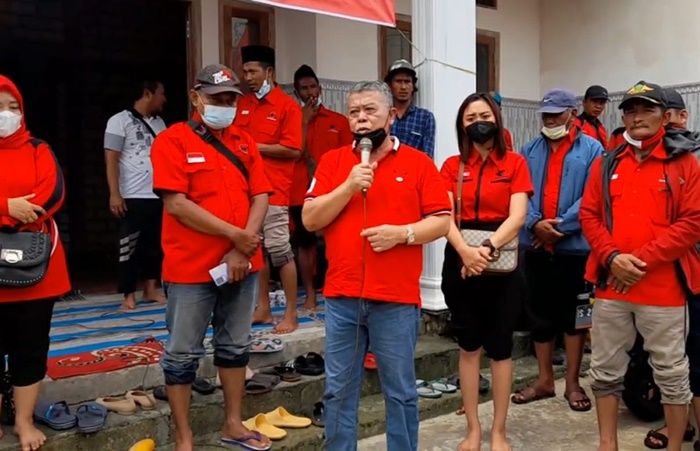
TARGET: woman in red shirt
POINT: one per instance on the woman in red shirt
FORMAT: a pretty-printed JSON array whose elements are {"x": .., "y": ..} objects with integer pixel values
[
  {"x": 484, "y": 305},
  {"x": 31, "y": 191}
]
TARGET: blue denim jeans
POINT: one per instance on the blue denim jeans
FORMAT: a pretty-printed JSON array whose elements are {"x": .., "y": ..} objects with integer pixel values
[
  {"x": 191, "y": 307},
  {"x": 392, "y": 329}
]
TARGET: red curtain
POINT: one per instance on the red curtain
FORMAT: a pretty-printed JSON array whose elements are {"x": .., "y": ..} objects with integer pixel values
[{"x": 375, "y": 11}]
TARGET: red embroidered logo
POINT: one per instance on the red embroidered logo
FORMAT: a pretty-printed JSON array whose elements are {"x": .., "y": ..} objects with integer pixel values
[{"x": 243, "y": 148}]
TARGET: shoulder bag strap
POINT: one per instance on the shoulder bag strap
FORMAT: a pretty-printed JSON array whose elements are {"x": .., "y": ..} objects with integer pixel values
[
  {"x": 458, "y": 195},
  {"x": 206, "y": 136},
  {"x": 139, "y": 116}
]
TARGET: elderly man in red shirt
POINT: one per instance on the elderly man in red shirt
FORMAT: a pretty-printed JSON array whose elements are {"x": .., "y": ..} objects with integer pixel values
[{"x": 641, "y": 215}]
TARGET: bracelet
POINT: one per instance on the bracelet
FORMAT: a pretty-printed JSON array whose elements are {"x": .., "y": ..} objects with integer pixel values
[
  {"x": 609, "y": 260},
  {"x": 487, "y": 243}
]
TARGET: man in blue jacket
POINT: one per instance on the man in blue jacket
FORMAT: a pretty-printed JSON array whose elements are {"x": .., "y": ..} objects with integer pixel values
[{"x": 555, "y": 249}]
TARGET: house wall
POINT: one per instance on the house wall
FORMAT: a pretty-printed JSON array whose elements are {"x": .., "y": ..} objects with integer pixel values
[
  {"x": 346, "y": 49},
  {"x": 616, "y": 43}
]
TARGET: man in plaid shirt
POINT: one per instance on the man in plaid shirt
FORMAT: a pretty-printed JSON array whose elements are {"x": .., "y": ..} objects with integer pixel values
[{"x": 413, "y": 126}]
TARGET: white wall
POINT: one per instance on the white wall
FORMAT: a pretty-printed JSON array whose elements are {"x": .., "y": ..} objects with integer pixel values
[
  {"x": 616, "y": 43},
  {"x": 403, "y": 7},
  {"x": 346, "y": 49},
  {"x": 295, "y": 42},
  {"x": 518, "y": 24},
  {"x": 210, "y": 32}
]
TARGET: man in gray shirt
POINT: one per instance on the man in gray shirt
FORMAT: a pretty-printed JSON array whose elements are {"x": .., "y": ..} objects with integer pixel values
[{"x": 127, "y": 143}]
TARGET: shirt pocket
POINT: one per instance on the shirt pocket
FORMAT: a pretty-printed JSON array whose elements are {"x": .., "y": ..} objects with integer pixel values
[
  {"x": 660, "y": 205},
  {"x": 203, "y": 179},
  {"x": 268, "y": 128}
]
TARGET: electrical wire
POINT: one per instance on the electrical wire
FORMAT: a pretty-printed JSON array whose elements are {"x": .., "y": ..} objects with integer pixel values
[{"x": 433, "y": 60}]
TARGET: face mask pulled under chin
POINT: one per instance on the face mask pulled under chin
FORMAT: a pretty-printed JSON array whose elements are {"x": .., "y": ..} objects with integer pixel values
[
  {"x": 10, "y": 122},
  {"x": 264, "y": 90},
  {"x": 376, "y": 136}
]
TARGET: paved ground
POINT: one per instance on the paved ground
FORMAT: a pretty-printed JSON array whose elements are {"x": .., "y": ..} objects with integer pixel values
[{"x": 547, "y": 425}]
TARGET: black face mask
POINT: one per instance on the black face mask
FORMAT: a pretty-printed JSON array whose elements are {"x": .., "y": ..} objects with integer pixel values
[
  {"x": 481, "y": 131},
  {"x": 376, "y": 136}
]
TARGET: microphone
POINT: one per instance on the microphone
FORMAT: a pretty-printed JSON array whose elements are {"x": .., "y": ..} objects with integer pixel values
[{"x": 365, "y": 149}]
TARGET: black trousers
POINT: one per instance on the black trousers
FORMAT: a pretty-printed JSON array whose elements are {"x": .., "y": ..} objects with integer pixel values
[
  {"x": 140, "y": 252},
  {"x": 24, "y": 340}
]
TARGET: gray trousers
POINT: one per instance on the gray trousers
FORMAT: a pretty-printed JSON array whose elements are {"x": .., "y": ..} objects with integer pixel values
[{"x": 664, "y": 329}]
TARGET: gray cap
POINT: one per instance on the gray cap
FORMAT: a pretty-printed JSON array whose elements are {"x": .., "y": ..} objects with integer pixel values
[
  {"x": 215, "y": 79},
  {"x": 399, "y": 66}
]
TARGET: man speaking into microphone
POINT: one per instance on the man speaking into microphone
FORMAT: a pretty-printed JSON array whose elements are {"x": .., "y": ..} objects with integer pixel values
[{"x": 375, "y": 215}]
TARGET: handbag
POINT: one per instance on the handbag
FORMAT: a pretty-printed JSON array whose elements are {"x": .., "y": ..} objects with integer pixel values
[
  {"x": 506, "y": 260},
  {"x": 24, "y": 257}
]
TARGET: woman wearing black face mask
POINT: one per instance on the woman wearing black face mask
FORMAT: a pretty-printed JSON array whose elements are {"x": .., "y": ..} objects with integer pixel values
[{"x": 489, "y": 187}]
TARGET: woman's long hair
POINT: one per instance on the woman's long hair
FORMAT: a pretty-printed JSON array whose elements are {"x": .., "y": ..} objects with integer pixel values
[{"x": 463, "y": 140}]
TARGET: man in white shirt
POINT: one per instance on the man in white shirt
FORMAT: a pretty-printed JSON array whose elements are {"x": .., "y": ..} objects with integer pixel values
[{"x": 127, "y": 143}]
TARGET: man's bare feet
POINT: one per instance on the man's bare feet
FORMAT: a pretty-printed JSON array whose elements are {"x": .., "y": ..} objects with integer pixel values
[
  {"x": 237, "y": 431},
  {"x": 30, "y": 438},
  {"x": 184, "y": 442},
  {"x": 287, "y": 325},
  {"x": 499, "y": 442},
  {"x": 129, "y": 302},
  {"x": 472, "y": 442},
  {"x": 262, "y": 316},
  {"x": 310, "y": 302},
  {"x": 154, "y": 296}
]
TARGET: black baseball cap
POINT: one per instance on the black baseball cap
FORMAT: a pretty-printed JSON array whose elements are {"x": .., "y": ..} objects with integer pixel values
[
  {"x": 215, "y": 79},
  {"x": 596, "y": 92},
  {"x": 649, "y": 92},
  {"x": 674, "y": 99}
]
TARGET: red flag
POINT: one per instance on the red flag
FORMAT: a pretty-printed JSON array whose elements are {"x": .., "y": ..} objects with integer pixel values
[{"x": 380, "y": 12}]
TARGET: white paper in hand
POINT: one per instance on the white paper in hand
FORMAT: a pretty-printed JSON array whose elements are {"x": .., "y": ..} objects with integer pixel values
[{"x": 219, "y": 274}]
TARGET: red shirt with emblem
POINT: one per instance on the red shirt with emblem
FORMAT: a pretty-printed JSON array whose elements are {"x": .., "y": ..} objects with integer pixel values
[
  {"x": 406, "y": 188},
  {"x": 487, "y": 184},
  {"x": 184, "y": 163},
  {"x": 327, "y": 130},
  {"x": 274, "y": 119}
]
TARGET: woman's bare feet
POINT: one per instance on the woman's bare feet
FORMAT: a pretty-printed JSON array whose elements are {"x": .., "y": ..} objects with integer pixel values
[
  {"x": 499, "y": 442},
  {"x": 30, "y": 438},
  {"x": 472, "y": 442}
]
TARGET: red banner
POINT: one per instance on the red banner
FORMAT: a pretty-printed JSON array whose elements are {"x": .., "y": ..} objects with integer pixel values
[{"x": 380, "y": 12}]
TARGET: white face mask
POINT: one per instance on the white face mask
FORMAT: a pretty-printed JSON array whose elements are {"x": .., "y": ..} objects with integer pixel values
[
  {"x": 632, "y": 141},
  {"x": 9, "y": 123},
  {"x": 556, "y": 133},
  {"x": 218, "y": 117},
  {"x": 264, "y": 90}
]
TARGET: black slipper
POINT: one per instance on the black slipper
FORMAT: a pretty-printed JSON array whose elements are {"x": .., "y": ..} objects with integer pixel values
[
  {"x": 286, "y": 373},
  {"x": 160, "y": 393},
  {"x": 317, "y": 415},
  {"x": 309, "y": 364},
  {"x": 203, "y": 386}
]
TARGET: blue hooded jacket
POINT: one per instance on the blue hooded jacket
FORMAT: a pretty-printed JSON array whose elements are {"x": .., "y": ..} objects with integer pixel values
[{"x": 577, "y": 165}]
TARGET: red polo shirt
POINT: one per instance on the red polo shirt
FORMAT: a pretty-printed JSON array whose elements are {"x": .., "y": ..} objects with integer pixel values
[
  {"x": 327, "y": 130},
  {"x": 183, "y": 163},
  {"x": 641, "y": 203},
  {"x": 553, "y": 173},
  {"x": 488, "y": 184},
  {"x": 406, "y": 188},
  {"x": 592, "y": 127},
  {"x": 275, "y": 119}
]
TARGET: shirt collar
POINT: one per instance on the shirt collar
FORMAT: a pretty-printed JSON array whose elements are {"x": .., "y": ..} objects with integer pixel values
[
  {"x": 394, "y": 139},
  {"x": 590, "y": 119},
  {"x": 273, "y": 97},
  {"x": 475, "y": 159}
]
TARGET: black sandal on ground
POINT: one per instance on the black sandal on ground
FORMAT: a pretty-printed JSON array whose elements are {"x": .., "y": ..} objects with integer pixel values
[
  {"x": 582, "y": 405},
  {"x": 662, "y": 439}
]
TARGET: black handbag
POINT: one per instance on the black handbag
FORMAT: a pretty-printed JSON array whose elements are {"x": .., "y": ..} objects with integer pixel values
[{"x": 24, "y": 257}]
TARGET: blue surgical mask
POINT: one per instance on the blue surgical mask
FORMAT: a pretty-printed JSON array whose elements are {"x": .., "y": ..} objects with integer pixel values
[
  {"x": 218, "y": 117},
  {"x": 264, "y": 90}
]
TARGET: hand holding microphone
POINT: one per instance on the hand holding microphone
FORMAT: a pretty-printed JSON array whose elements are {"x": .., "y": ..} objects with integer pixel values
[{"x": 362, "y": 175}]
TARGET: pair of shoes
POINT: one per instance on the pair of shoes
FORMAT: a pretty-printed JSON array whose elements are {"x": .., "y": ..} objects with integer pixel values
[
  {"x": 270, "y": 424},
  {"x": 129, "y": 403},
  {"x": 89, "y": 417},
  {"x": 434, "y": 389}
]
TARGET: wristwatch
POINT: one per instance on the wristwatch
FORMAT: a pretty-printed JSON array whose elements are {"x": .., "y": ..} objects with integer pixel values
[
  {"x": 410, "y": 235},
  {"x": 493, "y": 252}
]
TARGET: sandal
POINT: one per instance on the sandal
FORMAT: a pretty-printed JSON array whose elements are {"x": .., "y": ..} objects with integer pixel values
[
  {"x": 243, "y": 441},
  {"x": 442, "y": 385},
  {"x": 56, "y": 415},
  {"x": 142, "y": 399},
  {"x": 203, "y": 386},
  {"x": 284, "y": 372},
  {"x": 266, "y": 345},
  {"x": 309, "y": 364},
  {"x": 317, "y": 415},
  {"x": 261, "y": 383},
  {"x": 426, "y": 391},
  {"x": 521, "y": 396},
  {"x": 662, "y": 439},
  {"x": 91, "y": 417},
  {"x": 582, "y": 405}
]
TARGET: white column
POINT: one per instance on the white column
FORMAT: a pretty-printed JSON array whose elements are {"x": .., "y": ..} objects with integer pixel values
[{"x": 444, "y": 33}]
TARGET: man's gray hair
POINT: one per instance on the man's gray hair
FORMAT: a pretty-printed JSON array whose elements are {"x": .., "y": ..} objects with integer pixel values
[{"x": 374, "y": 86}]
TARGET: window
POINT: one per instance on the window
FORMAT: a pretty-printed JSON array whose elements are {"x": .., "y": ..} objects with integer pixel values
[
  {"x": 393, "y": 45},
  {"x": 486, "y": 61},
  {"x": 487, "y": 3},
  {"x": 242, "y": 24}
]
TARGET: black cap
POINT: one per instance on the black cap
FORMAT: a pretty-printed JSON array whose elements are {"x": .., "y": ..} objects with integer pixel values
[
  {"x": 215, "y": 79},
  {"x": 596, "y": 92},
  {"x": 397, "y": 66},
  {"x": 304, "y": 71},
  {"x": 674, "y": 99},
  {"x": 258, "y": 53},
  {"x": 649, "y": 92}
]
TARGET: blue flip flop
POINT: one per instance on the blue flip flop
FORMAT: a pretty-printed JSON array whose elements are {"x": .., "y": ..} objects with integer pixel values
[
  {"x": 55, "y": 415},
  {"x": 92, "y": 417},
  {"x": 243, "y": 441}
]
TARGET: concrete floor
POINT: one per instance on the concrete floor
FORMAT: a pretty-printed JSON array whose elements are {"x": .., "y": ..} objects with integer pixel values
[{"x": 547, "y": 425}]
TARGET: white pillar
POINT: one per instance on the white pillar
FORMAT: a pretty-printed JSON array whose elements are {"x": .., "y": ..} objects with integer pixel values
[{"x": 444, "y": 33}]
